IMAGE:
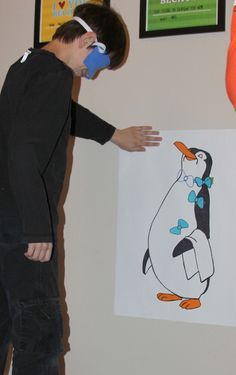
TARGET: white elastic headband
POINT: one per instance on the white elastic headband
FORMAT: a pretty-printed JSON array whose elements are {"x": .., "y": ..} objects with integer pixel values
[{"x": 101, "y": 46}]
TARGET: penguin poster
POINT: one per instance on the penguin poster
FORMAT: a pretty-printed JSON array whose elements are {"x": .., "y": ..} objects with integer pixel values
[{"x": 176, "y": 251}]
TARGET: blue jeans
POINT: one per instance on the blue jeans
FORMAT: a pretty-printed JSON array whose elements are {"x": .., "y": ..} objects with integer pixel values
[{"x": 30, "y": 316}]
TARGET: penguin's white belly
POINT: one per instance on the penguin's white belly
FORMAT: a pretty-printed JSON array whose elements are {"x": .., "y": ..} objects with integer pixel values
[{"x": 169, "y": 270}]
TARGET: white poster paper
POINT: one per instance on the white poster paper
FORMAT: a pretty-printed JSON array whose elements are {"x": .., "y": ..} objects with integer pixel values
[{"x": 176, "y": 250}]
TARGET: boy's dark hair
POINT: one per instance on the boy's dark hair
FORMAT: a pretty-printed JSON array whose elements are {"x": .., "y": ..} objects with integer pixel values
[{"x": 106, "y": 23}]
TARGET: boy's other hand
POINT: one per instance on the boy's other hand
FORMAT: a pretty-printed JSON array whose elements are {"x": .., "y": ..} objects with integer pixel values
[
  {"x": 136, "y": 138},
  {"x": 39, "y": 251}
]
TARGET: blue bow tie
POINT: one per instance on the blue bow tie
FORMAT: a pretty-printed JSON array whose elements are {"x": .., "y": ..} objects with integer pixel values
[
  {"x": 192, "y": 198},
  {"x": 208, "y": 181},
  {"x": 181, "y": 225}
]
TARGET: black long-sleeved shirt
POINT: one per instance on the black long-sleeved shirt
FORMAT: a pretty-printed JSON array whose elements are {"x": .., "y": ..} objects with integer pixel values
[{"x": 37, "y": 116}]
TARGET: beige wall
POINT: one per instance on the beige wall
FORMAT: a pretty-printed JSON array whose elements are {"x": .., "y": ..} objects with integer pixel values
[{"x": 170, "y": 82}]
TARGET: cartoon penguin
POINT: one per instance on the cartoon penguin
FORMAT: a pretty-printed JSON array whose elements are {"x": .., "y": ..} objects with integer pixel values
[{"x": 179, "y": 251}]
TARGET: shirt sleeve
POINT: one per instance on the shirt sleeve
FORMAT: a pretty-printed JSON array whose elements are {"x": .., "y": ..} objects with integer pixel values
[
  {"x": 37, "y": 122},
  {"x": 86, "y": 124},
  {"x": 231, "y": 62}
]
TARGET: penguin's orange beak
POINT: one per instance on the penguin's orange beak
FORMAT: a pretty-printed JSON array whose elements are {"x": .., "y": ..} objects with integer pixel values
[{"x": 185, "y": 151}]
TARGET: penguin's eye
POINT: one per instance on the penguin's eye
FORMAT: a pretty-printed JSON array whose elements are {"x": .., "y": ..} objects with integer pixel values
[{"x": 201, "y": 155}]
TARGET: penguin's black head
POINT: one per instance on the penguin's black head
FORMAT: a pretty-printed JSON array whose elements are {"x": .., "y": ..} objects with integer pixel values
[
  {"x": 194, "y": 161},
  {"x": 204, "y": 156}
]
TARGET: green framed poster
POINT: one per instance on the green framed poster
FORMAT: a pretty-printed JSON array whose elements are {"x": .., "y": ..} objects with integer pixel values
[{"x": 173, "y": 17}]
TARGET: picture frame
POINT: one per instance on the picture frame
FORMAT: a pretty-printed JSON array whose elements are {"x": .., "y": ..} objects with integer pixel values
[
  {"x": 166, "y": 17},
  {"x": 50, "y": 14}
]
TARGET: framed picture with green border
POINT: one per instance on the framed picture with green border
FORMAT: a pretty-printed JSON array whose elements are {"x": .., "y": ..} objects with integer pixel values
[
  {"x": 50, "y": 14},
  {"x": 174, "y": 17}
]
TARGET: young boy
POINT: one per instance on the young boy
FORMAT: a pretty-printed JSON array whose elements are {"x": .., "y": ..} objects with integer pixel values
[{"x": 37, "y": 116}]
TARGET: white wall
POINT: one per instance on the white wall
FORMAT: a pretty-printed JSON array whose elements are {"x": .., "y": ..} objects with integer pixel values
[{"x": 170, "y": 83}]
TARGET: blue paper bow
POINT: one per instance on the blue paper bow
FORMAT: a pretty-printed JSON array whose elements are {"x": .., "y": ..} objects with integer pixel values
[
  {"x": 208, "y": 181},
  {"x": 192, "y": 198},
  {"x": 181, "y": 225}
]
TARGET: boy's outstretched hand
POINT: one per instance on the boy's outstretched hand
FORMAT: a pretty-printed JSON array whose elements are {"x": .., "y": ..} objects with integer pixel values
[{"x": 136, "y": 138}]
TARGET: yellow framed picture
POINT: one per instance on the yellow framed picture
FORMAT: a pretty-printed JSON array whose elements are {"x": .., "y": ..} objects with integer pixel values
[{"x": 50, "y": 14}]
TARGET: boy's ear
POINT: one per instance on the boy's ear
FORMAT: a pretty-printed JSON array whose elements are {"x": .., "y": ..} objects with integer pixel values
[{"x": 87, "y": 39}]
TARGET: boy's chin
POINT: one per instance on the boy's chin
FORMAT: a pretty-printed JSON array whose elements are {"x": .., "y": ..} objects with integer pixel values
[{"x": 81, "y": 72}]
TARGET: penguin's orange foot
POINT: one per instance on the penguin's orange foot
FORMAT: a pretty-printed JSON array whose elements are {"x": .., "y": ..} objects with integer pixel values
[
  {"x": 190, "y": 304},
  {"x": 167, "y": 297}
]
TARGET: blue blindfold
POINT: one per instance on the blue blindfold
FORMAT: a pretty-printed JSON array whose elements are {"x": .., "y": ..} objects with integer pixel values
[{"x": 97, "y": 59}]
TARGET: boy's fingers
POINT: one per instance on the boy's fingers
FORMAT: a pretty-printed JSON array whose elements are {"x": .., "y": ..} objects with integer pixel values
[
  {"x": 47, "y": 256},
  {"x": 30, "y": 249},
  {"x": 39, "y": 251},
  {"x": 151, "y": 144},
  {"x": 151, "y": 138},
  {"x": 145, "y": 127}
]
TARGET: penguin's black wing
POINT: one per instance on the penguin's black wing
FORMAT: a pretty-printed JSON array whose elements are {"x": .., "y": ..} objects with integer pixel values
[
  {"x": 183, "y": 246},
  {"x": 203, "y": 214},
  {"x": 202, "y": 217}
]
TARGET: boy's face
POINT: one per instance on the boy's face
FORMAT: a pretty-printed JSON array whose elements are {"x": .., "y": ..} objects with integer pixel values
[
  {"x": 89, "y": 57},
  {"x": 97, "y": 60},
  {"x": 81, "y": 51},
  {"x": 80, "y": 69}
]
